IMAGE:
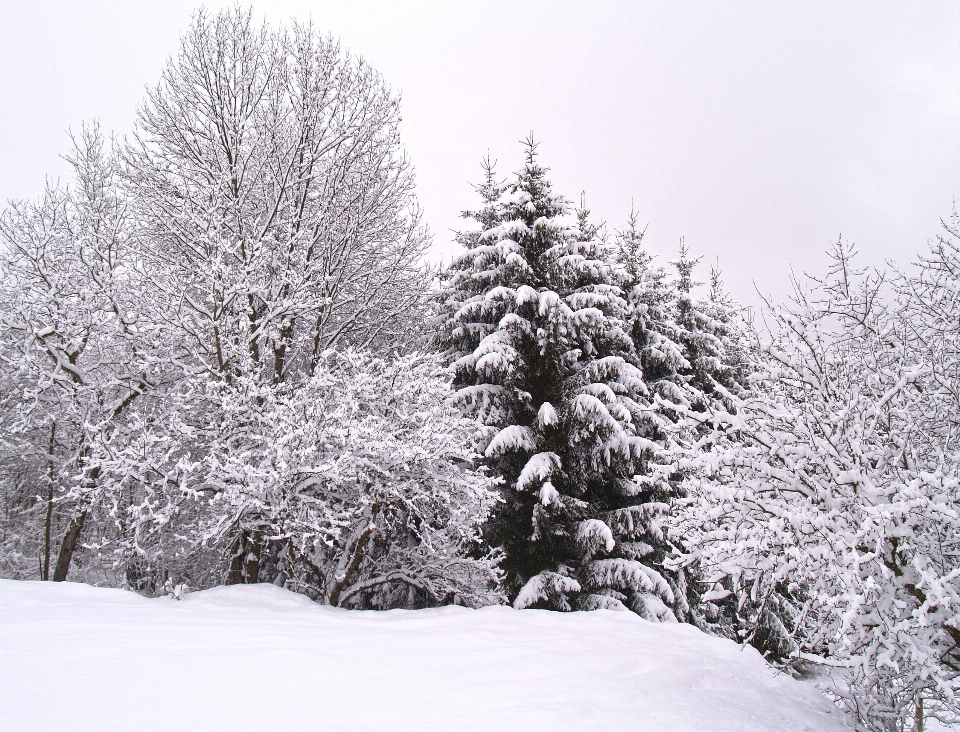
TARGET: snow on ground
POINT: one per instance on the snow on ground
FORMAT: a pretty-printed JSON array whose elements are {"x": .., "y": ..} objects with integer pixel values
[{"x": 75, "y": 657}]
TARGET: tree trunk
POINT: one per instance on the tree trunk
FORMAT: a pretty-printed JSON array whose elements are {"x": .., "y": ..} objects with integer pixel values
[
  {"x": 347, "y": 568},
  {"x": 245, "y": 562},
  {"x": 72, "y": 537},
  {"x": 411, "y": 543},
  {"x": 918, "y": 716},
  {"x": 251, "y": 569},
  {"x": 235, "y": 573},
  {"x": 46, "y": 535},
  {"x": 49, "y": 517},
  {"x": 68, "y": 546}
]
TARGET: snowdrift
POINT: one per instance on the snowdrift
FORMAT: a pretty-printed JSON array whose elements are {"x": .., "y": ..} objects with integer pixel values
[{"x": 76, "y": 657}]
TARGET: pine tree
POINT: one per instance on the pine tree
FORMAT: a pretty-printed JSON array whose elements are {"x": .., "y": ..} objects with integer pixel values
[
  {"x": 653, "y": 326},
  {"x": 703, "y": 366},
  {"x": 536, "y": 322},
  {"x": 682, "y": 344},
  {"x": 711, "y": 335}
]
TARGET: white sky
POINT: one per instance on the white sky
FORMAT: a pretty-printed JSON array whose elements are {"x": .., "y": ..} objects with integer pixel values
[{"x": 759, "y": 131}]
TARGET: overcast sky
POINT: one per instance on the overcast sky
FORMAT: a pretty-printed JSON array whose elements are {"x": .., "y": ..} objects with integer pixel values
[{"x": 759, "y": 131}]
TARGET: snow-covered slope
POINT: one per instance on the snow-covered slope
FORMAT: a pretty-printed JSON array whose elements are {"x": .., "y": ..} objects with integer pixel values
[{"x": 74, "y": 657}]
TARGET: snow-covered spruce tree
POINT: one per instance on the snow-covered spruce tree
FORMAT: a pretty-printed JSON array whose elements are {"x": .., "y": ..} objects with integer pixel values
[
  {"x": 652, "y": 323},
  {"x": 687, "y": 348},
  {"x": 535, "y": 320},
  {"x": 714, "y": 340},
  {"x": 712, "y": 334}
]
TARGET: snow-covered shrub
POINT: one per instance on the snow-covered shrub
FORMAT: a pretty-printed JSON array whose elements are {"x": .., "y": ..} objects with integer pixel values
[
  {"x": 356, "y": 487},
  {"x": 827, "y": 515}
]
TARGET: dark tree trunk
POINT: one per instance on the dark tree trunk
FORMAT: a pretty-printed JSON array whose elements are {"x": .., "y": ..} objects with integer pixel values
[
  {"x": 245, "y": 560},
  {"x": 251, "y": 570},
  {"x": 70, "y": 540},
  {"x": 72, "y": 537},
  {"x": 355, "y": 558},
  {"x": 46, "y": 534},
  {"x": 45, "y": 570},
  {"x": 235, "y": 572}
]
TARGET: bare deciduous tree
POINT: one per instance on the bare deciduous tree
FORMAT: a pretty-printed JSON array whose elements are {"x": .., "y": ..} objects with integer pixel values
[
  {"x": 77, "y": 348},
  {"x": 277, "y": 210}
]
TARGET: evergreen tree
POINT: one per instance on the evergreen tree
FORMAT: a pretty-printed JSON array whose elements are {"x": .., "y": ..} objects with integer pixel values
[
  {"x": 653, "y": 326},
  {"x": 710, "y": 336},
  {"x": 703, "y": 366},
  {"x": 684, "y": 345},
  {"x": 537, "y": 323}
]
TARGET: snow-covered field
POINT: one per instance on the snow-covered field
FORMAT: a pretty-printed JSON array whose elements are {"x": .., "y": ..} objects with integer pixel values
[{"x": 75, "y": 657}]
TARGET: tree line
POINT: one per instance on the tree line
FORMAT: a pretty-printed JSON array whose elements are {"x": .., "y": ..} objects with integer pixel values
[{"x": 225, "y": 361}]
